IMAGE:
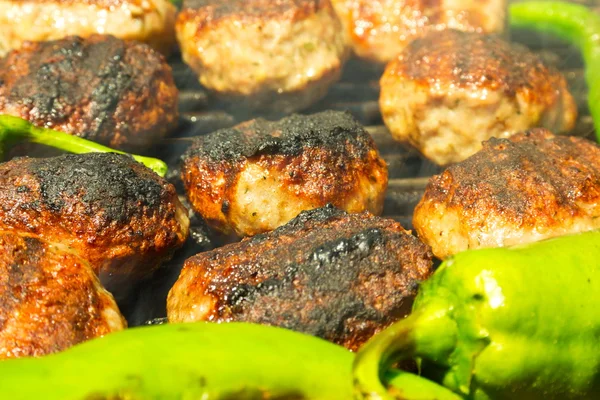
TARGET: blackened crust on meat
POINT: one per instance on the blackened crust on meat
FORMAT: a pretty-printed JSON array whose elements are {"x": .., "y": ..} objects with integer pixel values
[
  {"x": 112, "y": 210},
  {"x": 103, "y": 183},
  {"x": 342, "y": 277},
  {"x": 115, "y": 92},
  {"x": 328, "y": 130}
]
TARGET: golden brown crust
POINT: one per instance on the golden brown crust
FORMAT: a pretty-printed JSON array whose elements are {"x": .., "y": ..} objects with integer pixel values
[
  {"x": 533, "y": 184},
  {"x": 317, "y": 159},
  {"x": 108, "y": 4},
  {"x": 51, "y": 299},
  {"x": 477, "y": 62},
  {"x": 113, "y": 211},
  {"x": 119, "y": 93},
  {"x": 207, "y": 13},
  {"x": 342, "y": 277}
]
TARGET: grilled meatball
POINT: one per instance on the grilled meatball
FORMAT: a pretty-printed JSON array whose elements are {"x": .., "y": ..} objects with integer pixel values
[
  {"x": 284, "y": 54},
  {"x": 40, "y": 20},
  {"x": 529, "y": 187},
  {"x": 342, "y": 277},
  {"x": 258, "y": 175},
  {"x": 380, "y": 29},
  {"x": 449, "y": 91},
  {"x": 114, "y": 212},
  {"x": 50, "y": 299},
  {"x": 115, "y": 92}
]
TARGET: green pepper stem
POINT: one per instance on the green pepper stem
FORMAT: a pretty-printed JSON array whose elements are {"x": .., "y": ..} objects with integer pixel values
[
  {"x": 14, "y": 128},
  {"x": 398, "y": 342},
  {"x": 575, "y": 23}
]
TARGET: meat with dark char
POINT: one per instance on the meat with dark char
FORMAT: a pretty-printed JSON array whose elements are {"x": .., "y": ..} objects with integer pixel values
[
  {"x": 260, "y": 174},
  {"x": 449, "y": 91},
  {"x": 531, "y": 186},
  {"x": 115, "y": 92},
  {"x": 50, "y": 299},
  {"x": 342, "y": 277},
  {"x": 113, "y": 211}
]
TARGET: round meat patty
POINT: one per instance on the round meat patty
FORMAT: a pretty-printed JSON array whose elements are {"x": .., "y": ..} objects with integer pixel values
[
  {"x": 449, "y": 91},
  {"x": 50, "y": 299},
  {"x": 530, "y": 187},
  {"x": 149, "y": 21},
  {"x": 280, "y": 54},
  {"x": 342, "y": 277},
  {"x": 118, "y": 93},
  {"x": 258, "y": 175},
  {"x": 113, "y": 211},
  {"x": 380, "y": 29}
]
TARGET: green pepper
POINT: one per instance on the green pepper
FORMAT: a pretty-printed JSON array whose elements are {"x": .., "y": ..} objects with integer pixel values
[
  {"x": 504, "y": 323},
  {"x": 574, "y": 23},
  {"x": 13, "y": 129}
]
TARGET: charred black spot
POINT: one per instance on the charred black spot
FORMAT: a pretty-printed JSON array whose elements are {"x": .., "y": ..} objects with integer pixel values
[{"x": 330, "y": 130}]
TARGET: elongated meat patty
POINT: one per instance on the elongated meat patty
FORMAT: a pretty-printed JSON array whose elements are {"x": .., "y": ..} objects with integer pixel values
[
  {"x": 50, "y": 299},
  {"x": 115, "y": 92},
  {"x": 258, "y": 175},
  {"x": 451, "y": 90},
  {"x": 150, "y": 21},
  {"x": 530, "y": 187},
  {"x": 339, "y": 276},
  {"x": 283, "y": 54},
  {"x": 380, "y": 29},
  {"x": 113, "y": 211}
]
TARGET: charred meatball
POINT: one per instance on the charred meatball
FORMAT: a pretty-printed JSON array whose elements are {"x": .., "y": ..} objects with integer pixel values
[
  {"x": 342, "y": 277},
  {"x": 114, "y": 212},
  {"x": 449, "y": 91},
  {"x": 530, "y": 187},
  {"x": 114, "y": 92},
  {"x": 284, "y": 54},
  {"x": 150, "y": 21},
  {"x": 50, "y": 299},
  {"x": 380, "y": 29},
  {"x": 258, "y": 175}
]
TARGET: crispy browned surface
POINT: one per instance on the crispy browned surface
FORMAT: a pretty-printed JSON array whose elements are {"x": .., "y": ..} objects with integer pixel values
[
  {"x": 306, "y": 162},
  {"x": 471, "y": 60},
  {"x": 207, "y": 13},
  {"x": 111, "y": 210},
  {"x": 529, "y": 187},
  {"x": 120, "y": 93},
  {"x": 380, "y": 29},
  {"x": 50, "y": 299},
  {"x": 342, "y": 277}
]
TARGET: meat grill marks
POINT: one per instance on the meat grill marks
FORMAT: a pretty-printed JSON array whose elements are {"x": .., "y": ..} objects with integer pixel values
[
  {"x": 260, "y": 174},
  {"x": 380, "y": 29},
  {"x": 114, "y": 212},
  {"x": 529, "y": 187},
  {"x": 152, "y": 22},
  {"x": 449, "y": 91},
  {"x": 342, "y": 277},
  {"x": 115, "y": 92},
  {"x": 51, "y": 298},
  {"x": 267, "y": 57}
]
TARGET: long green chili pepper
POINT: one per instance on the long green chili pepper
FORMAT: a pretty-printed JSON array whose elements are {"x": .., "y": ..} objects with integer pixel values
[
  {"x": 14, "y": 129},
  {"x": 505, "y": 323},
  {"x": 572, "y": 22},
  {"x": 203, "y": 361}
]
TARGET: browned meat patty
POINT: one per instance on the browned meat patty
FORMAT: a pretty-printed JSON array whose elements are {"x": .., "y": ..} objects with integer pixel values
[
  {"x": 449, "y": 91},
  {"x": 114, "y": 212},
  {"x": 258, "y": 175},
  {"x": 282, "y": 54},
  {"x": 529, "y": 187},
  {"x": 50, "y": 299},
  {"x": 342, "y": 277},
  {"x": 150, "y": 21},
  {"x": 380, "y": 29},
  {"x": 114, "y": 92}
]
